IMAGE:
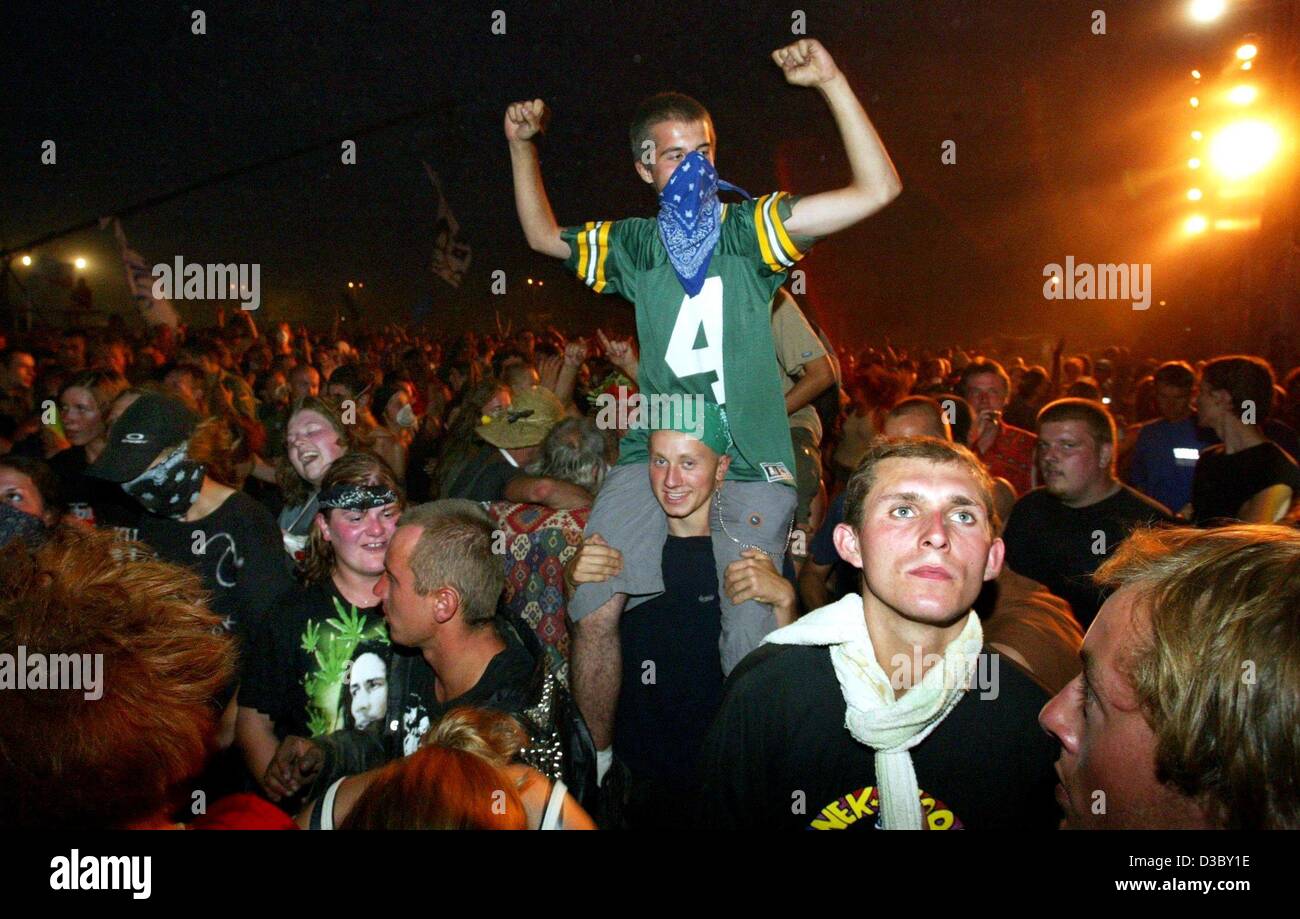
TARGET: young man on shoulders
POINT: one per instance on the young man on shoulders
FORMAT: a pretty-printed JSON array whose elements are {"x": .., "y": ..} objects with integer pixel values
[
  {"x": 702, "y": 276},
  {"x": 667, "y": 647}
]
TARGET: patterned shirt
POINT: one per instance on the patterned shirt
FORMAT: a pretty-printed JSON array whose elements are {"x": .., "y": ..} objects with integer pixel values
[{"x": 1012, "y": 457}]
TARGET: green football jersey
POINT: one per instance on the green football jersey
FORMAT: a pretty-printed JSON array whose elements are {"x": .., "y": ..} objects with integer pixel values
[{"x": 717, "y": 344}]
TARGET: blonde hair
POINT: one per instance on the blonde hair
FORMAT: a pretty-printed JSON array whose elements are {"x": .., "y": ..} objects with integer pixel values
[
  {"x": 930, "y": 449},
  {"x": 457, "y": 780},
  {"x": 455, "y": 550},
  {"x": 1218, "y": 679}
]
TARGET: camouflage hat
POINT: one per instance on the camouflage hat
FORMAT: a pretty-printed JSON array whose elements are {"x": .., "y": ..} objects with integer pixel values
[{"x": 530, "y": 417}]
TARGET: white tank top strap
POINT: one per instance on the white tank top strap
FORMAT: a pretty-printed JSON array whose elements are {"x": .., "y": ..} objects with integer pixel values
[
  {"x": 554, "y": 806},
  {"x": 327, "y": 805}
]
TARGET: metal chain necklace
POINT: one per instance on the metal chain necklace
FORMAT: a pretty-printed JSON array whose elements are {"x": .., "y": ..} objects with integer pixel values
[{"x": 717, "y": 506}]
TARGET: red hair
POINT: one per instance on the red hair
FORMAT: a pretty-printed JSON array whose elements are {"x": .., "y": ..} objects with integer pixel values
[{"x": 68, "y": 761}]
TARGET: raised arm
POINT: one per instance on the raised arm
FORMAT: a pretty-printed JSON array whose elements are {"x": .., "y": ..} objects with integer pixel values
[
  {"x": 523, "y": 122},
  {"x": 875, "y": 181}
]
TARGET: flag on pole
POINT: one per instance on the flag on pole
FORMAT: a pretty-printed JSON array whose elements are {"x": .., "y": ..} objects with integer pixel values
[
  {"x": 140, "y": 280},
  {"x": 451, "y": 257}
]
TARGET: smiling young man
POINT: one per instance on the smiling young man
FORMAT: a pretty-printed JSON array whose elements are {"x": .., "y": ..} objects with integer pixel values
[
  {"x": 885, "y": 710},
  {"x": 702, "y": 277},
  {"x": 1185, "y": 714},
  {"x": 668, "y": 646}
]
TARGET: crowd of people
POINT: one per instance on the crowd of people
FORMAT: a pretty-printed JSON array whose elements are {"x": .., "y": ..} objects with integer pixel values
[{"x": 390, "y": 578}]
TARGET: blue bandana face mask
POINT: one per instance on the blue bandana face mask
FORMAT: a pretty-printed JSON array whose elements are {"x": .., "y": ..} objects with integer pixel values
[{"x": 690, "y": 218}]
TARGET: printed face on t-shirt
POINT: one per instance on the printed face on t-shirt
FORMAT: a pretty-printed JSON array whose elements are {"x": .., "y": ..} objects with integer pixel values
[
  {"x": 925, "y": 545},
  {"x": 368, "y": 686},
  {"x": 1107, "y": 762}
]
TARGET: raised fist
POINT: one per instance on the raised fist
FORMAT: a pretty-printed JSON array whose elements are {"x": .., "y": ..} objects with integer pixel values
[
  {"x": 806, "y": 63},
  {"x": 525, "y": 120}
]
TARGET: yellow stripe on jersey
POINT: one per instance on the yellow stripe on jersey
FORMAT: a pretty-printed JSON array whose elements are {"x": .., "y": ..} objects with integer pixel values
[
  {"x": 602, "y": 244},
  {"x": 779, "y": 251},
  {"x": 593, "y": 249},
  {"x": 583, "y": 250}
]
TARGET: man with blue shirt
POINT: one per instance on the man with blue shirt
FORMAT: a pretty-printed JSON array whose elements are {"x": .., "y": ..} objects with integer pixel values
[{"x": 1164, "y": 458}]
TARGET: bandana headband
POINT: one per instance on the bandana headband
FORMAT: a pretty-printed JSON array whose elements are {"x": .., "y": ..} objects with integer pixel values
[{"x": 355, "y": 497}]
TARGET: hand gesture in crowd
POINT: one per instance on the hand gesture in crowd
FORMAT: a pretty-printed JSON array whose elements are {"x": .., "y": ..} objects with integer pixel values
[
  {"x": 596, "y": 561},
  {"x": 620, "y": 353},
  {"x": 754, "y": 577},
  {"x": 984, "y": 423},
  {"x": 575, "y": 352},
  {"x": 525, "y": 120},
  {"x": 806, "y": 63},
  {"x": 295, "y": 764},
  {"x": 548, "y": 370}
]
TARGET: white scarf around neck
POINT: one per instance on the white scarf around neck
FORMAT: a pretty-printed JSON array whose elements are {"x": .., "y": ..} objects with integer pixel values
[{"x": 874, "y": 715}]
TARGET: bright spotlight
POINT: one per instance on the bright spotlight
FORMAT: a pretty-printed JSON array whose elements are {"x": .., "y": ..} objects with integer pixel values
[
  {"x": 1194, "y": 102},
  {"x": 26, "y": 260},
  {"x": 1244, "y": 94},
  {"x": 1207, "y": 10},
  {"x": 1196, "y": 74},
  {"x": 1195, "y": 224},
  {"x": 1194, "y": 194},
  {"x": 80, "y": 263},
  {"x": 1194, "y": 163},
  {"x": 1197, "y": 135},
  {"x": 1247, "y": 52},
  {"x": 1244, "y": 148},
  {"x": 1247, "y": 65}
]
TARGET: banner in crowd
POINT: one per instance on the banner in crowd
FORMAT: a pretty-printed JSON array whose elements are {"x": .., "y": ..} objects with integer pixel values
[
  {"x": 451, "y": 257},
  {"x": 140, "y": 279}
]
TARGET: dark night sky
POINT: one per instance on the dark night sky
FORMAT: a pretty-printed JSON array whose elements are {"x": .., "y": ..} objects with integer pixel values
[{"x": 1048, "y": 119}]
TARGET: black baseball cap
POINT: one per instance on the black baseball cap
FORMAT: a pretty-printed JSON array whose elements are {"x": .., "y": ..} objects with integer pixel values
[{"x": 152, "y": 423}]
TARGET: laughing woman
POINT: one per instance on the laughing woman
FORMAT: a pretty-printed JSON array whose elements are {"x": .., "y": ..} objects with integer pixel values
[
  {"x": 317, "y": 434},
  {"x": 327, "y": 643}
]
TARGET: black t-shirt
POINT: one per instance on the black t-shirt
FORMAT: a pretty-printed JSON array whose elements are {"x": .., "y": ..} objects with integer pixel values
[
  {"x": 484, "y": 478},
  {"x": 502, "y": 687},
  {"x": 317, "y": 663},
  {"x": 1225, "y": 481},
  {"x": 98, "y": 501},
  {"x": 239, "y": 556},
  {"x": 780, "y": 757},
  {"x": 672, "y": 679},
  {"x": 1061, "y": 546}
]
